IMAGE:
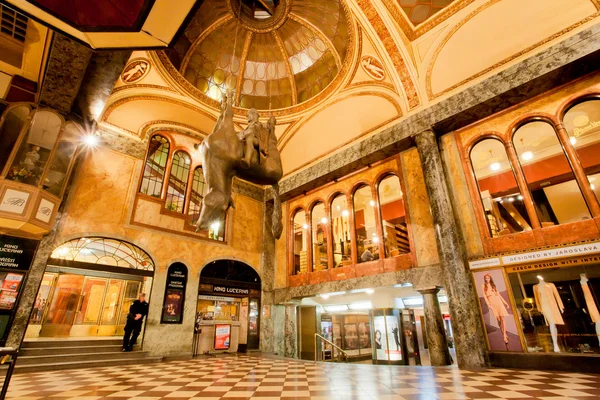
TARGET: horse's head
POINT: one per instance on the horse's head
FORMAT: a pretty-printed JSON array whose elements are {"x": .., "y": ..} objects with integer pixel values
[{"x": 214, "y": 207}]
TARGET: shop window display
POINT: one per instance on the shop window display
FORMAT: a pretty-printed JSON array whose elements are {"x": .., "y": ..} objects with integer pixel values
[
  {"x": 224, "y": 309},
  {"x": 393, "y": 216},
  {"x": 340, "y": 225},
  {"x": 319, "y": 226},
  {"x": 502, "y": 201},
  {"x": 37, "y": 144},
  {"x": 558, "y": 308},
  {"x": 582, "y": 123},
  {"x": 367, "y": 241},
  {"x": 300, "y": 245},
  {"x": 352, "y": 333},
  {"x": 12, "y": 122},
  {"x": 55, "y": 181},
  {"x": 549, "y": 177}
]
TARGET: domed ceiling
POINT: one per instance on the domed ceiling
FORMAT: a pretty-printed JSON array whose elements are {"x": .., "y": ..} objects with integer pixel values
[{"x": 271, "y": 53}]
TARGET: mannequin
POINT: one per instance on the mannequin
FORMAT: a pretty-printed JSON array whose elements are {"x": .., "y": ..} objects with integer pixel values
[
  {"x": 551, "y": 306},
  {"x": 592, "y": 309}
]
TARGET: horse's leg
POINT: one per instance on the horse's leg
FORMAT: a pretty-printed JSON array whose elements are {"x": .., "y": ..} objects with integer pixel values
[{"x": 277, "y": 217}]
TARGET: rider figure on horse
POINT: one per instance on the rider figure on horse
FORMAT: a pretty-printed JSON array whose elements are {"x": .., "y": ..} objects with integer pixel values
[{"x": 256, "y": 138}]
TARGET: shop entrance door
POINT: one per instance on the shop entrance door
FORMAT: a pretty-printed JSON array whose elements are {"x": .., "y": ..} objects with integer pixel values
[
  {"x": 308, "y": 327},
  {"x": 253, "y": 324},
  {"x": 88, "y": 306}
]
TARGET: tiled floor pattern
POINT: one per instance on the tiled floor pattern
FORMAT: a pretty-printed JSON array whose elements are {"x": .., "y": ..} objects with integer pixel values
[{"x": 270, "y": 378}]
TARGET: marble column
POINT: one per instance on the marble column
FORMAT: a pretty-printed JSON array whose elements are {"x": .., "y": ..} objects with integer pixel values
[
  {"x": 267, "y": 281},
  {"x": 291, "y": 331},
  {"x": 437, "y": 341},
  {"x": 464, "y": 310}
]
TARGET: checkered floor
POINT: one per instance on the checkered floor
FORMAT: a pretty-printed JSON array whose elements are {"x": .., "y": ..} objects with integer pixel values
[{"x": 269, "y": 378}]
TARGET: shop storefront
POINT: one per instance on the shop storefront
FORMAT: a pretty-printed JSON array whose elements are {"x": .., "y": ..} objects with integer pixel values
[
  {"x": 87, "y": 288},
  {"x": 542, "y": 302},
  {"x": 228, "y": 308}
]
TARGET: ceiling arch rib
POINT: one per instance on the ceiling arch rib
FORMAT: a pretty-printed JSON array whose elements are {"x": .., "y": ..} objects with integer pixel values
[
  {"x": 200, "y": 39},
  {"x": 243, "y": 59},
  {"x": 307, "y": 24},
  {"x": 288, "y": 66}
]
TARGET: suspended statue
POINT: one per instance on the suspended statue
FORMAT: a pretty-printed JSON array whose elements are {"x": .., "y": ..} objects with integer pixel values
[{"x": 251, "y": 154}]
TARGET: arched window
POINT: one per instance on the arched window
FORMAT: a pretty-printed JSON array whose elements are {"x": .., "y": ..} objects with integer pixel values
[
  {"x": 156, "y": 163},
  {"x": 582, "y": 123},
  {"x": 365, "y": 227},
  {"x": 319, "y": 226},
  {"x": 37, "y": 144},
  {"x": 178, "y": 180},
  {"x": 393, "y": 216},
  {"x": 340, "y": 229},
  {"x": 12, "y": 123},
  {"x": 549, "y": 177},
  {"x": 502, "y": 201},
  {"x": 300, "y": 232},
  {"x": 55, "y": 178},
  {"x": 198, "y": 192}
]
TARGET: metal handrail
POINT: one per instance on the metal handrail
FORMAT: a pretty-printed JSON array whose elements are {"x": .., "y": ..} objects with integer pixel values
[{"x": 331, "y": 343}]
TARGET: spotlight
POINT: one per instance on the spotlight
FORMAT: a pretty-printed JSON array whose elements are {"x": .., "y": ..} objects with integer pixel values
[
  {"x": 215, "y": 226},
  {"x": 345, "y": 213},
  {"x": 573, "y": 140},
  {"x": 520, "y": 197},
  {"x": 304, "y": 226},
  {"x": 323, "y": 220},
  {"x": 90, "y": 140},
  {"x": 372, "y": 203},
  {"x": 495, "y": 166},
  {"x": 511, "y": 199}
]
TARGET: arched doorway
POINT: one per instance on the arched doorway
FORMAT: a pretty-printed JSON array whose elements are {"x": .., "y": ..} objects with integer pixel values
[
  {"x": 88, "y": 285},
  {"x": 228, "y": 304}
]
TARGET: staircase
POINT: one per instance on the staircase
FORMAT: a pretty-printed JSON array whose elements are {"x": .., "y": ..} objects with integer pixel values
[{"x": 51, "y": 355}]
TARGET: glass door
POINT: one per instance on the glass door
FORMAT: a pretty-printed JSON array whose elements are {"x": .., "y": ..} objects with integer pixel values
[
  {"x": 110, "y": 311},
  {"x": 63, "y": 306},
  {"x": 253, "y": 324},
  {"x": 90, "y": 307},
  {"x": 132, "y": 289}
]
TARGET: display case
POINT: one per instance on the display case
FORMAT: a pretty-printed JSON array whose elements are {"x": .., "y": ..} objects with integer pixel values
[
  {"x": 389, "y": 344},
  {"x": 350, "y": 332}
]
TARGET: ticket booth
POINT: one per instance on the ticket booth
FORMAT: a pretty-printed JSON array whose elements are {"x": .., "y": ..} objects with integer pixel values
[{"x": 228, "y": 309}]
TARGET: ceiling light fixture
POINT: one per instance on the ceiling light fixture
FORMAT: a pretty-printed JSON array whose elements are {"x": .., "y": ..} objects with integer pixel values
[
  {"x": 361, "y": 305},
  {"x": 324, "y": 220},
  {"x": 372, "y": 203},
  {"x": 495, "y": 166},
  {"x": 345, "y": 213},
  {"x": 573, "y": 140},
  {"x": 528, "y": 155},
  {"x": 304, "y": 226},
  {"x": 336, "y": 308}
]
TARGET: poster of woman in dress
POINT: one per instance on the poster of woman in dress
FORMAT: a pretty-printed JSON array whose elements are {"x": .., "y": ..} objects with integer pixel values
[{"x": 500, "y": 323}]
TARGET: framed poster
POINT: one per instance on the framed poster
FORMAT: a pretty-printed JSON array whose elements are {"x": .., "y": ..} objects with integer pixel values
[
  {"x": 222, "y": 336},
  {"x": 387, "y": 338},
  {"x": 174, "y": 294},
  {"x": 498, "y": 316}
]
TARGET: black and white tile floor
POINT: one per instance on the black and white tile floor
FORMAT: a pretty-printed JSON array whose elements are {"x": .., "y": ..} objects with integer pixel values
[{"x": 248, "y": 377}]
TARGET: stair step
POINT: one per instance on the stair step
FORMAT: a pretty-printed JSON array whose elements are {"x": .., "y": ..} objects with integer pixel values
[
  {"x": 48, "y": 351},
  {"x": 44, "y": 367},
  {"x": 62, "y": 358},
  {"x": 70, "y": 343}
]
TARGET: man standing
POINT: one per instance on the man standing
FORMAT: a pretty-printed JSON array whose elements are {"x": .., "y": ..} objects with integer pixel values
[{"x": 137, "y": 311}]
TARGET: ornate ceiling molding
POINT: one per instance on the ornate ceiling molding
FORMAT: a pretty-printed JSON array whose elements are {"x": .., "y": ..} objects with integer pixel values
[
  {"x": 393, "y": 51},
  {"x": 142, "y": 86},
  {"x": 173, "y": 76},
  {"x": 243, "y": 59},
  {"x": 288, "y": 66},
  {"x": 200, "y": 39},
  {"x": 305, "y": 23},
  {"x": 161, "y": 125},
  {"x": 413, "y": 32},
  {"x": 499, "y": 64}
]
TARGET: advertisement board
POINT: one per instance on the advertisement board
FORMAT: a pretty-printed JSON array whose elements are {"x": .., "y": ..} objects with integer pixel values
[
  {"x": 222, "y": 336},
  {"x": 174, "y": 294},
  {"x": 387, "y": 338}
]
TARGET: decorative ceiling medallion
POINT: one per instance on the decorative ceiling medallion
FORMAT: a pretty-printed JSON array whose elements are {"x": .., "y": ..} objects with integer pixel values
[
  {"x": 135, "y": 70},
  {"x": 373, "y": 67}
]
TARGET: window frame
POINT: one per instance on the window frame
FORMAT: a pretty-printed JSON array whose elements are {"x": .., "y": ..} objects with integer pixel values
[{"x": 167, "y": 168}]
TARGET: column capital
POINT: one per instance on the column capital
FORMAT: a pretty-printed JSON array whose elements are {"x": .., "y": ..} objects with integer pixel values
[
  {"x": 429, "y": 290},
  {"x": 427, "y": 135}
]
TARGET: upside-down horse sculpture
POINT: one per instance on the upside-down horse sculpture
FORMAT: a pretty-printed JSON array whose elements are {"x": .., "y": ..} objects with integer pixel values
[{"x": 251, "y": 154}]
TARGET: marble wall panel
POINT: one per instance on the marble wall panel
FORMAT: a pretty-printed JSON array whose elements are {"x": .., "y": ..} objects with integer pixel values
[
  {"x": 421, "y": 222},
  {"x": 459, "y": 192},
  {"x": 278, "y": 313}
]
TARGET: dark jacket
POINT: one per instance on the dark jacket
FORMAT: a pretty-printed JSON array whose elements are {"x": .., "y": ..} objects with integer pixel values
[{"x": 138, "y": 307}]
